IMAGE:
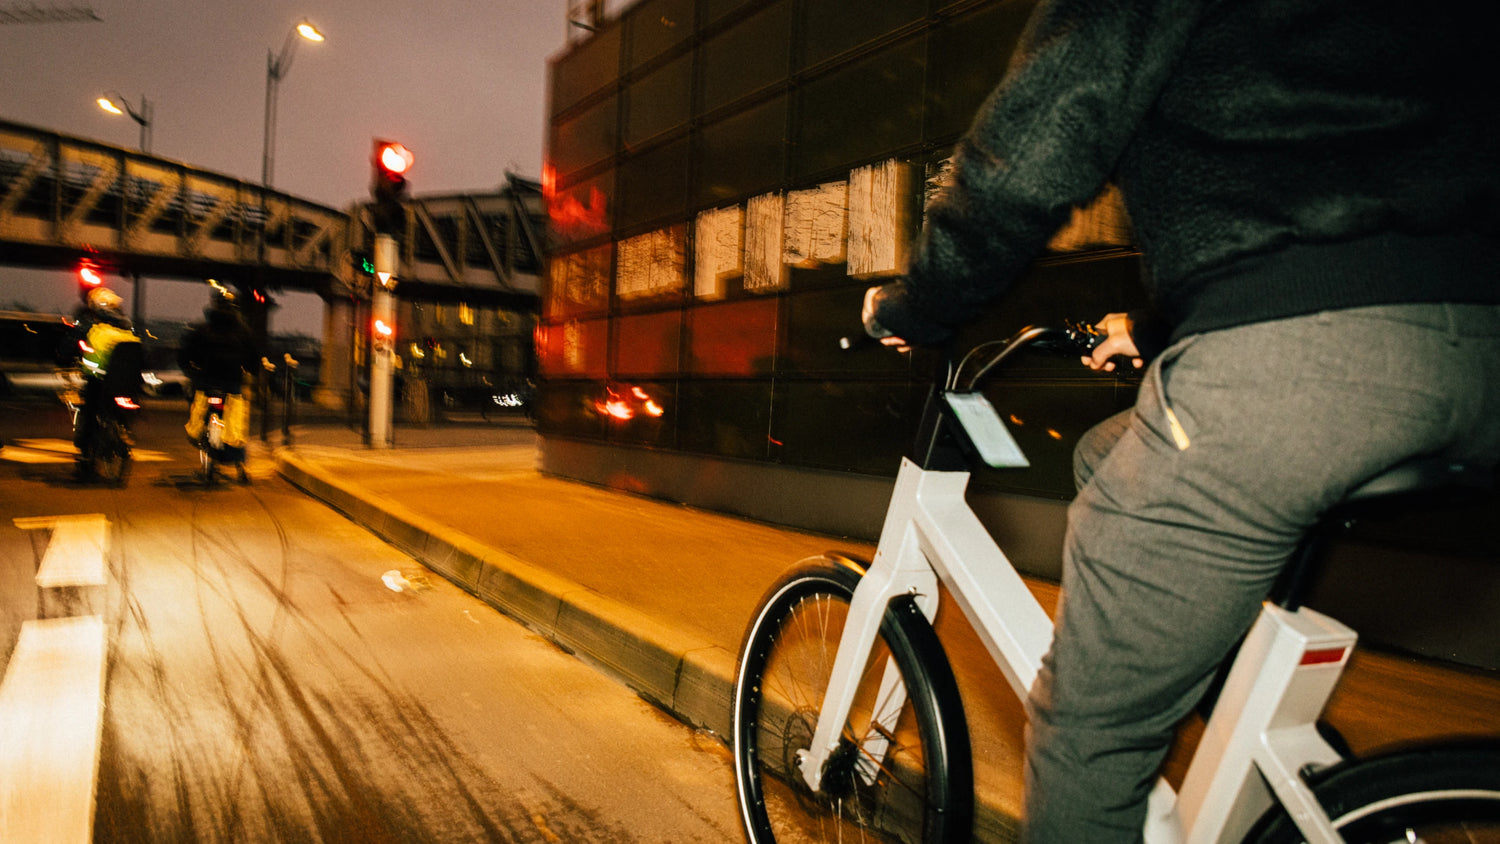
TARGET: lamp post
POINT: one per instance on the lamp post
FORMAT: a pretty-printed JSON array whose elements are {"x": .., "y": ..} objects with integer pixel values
[
  {"x": 277, "y": 65},
  {"x": 116, "y": 104}
]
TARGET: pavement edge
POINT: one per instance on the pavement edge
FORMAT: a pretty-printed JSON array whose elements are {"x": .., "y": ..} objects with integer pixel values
[{"x": 680, "y": 672}]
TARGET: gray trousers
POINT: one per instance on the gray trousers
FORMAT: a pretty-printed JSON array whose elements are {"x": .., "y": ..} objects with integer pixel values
[{"x": 1189, "y": 505}]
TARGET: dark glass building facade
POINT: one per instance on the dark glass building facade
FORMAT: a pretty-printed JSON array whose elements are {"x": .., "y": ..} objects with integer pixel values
[{"x": 724, "y": 181}]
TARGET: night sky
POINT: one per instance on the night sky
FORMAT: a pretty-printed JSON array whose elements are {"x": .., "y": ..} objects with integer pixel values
[{"x": 461, "y": 82}]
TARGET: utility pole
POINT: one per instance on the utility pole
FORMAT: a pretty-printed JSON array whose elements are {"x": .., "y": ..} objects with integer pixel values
[
  {"x": 389, "y": 162},
  {"x": 382, "y": 341}
]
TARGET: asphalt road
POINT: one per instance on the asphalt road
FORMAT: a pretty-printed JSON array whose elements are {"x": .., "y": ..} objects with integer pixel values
[{"x": 278, "y": 674}]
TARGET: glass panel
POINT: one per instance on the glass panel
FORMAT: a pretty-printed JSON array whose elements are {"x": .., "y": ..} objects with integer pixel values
[
  {"x": 660, "y": 101},
  {"x": 738, "y": 338},
  {"x": 727, "y": 418},
  {"x": 753, "y": 54},
  {"x": 860, "y": 427},
  {"x": 575, "y": 347},
  {"x": 640, "y": 412},
  {"x": 591, "y": 66},
  {"x": 578, "y": 283},
  {"x": 653, "y": 185},
  {"x": 969, "y": 55},
  {"x": 743, "y": 155},
  {"x": 654, "y": 27},
  {"x": 830, "y": 27},
  {"x": 585, "y": 139},
  {"x": 718, "y": 250},
  {"x": 862, "y": 111},
  {"x": 567, "y": 408},
  {"x": 582, "y": 210},
  {"x": 653, "y": 265},
  {"x": 817, "y": 320},
  {"x": 648, "y": 344}
]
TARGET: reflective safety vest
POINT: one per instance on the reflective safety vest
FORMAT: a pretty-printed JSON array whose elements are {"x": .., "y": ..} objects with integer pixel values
[{"x": 101, "y": 342}]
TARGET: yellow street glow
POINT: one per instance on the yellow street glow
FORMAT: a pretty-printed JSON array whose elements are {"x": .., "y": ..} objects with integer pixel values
[
  {"x": 109, "y": 106},
  {"x": 308, "y": 31}
]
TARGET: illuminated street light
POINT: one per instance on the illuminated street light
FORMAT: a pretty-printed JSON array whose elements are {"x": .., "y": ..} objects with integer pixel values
[
  {"x": 277, "y": 66},
  {"x": 116, "y": 104}
]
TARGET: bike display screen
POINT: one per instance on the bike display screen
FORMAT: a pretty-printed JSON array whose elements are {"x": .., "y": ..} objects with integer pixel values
[{"x": 986, "y": 430}]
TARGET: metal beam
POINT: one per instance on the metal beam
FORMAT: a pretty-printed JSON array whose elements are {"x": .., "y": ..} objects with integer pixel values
[{"x": 62, "y": 197}]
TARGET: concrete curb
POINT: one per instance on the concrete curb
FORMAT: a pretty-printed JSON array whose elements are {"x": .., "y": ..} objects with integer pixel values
[{"x": 679, "y": 671}]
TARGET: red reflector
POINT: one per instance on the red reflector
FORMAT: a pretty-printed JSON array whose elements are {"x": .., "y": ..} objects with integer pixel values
[{"x": 1323, "y": 657}]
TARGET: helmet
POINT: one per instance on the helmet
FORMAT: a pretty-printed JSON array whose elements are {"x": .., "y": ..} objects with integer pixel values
[
  {"x": 219, "y": 294},
  {"x": 104, "y": 299}
]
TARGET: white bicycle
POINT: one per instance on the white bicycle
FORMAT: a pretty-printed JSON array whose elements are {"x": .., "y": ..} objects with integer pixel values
[{"x": 848, "y": 724}]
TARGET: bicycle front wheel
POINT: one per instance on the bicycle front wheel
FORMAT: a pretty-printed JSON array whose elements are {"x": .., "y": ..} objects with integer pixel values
[
  {"x": 1443, "y": 795},
  {"x": 902, "y": 771}
]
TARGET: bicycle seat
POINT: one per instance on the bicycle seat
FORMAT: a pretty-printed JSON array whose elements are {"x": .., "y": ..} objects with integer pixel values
[
  {"x": 1423, "y": 474},
  {"x": 1423, "y": 482}
]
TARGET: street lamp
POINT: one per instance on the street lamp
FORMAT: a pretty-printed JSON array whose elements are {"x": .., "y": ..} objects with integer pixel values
[
  {"x": 277, "y": 66},
  {"x": 116, "y": 104}
]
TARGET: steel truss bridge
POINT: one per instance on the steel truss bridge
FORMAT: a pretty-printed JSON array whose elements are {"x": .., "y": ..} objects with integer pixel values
[{"x": 64, "y": 199}]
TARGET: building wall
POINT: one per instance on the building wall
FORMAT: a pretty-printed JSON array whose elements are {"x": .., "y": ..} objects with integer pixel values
[{"x": 724, "y": 179}]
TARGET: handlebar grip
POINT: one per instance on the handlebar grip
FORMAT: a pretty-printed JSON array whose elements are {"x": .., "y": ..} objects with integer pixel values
[{"x": 1084, "y": 336}]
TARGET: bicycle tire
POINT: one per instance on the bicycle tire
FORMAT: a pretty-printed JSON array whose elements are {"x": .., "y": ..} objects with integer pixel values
[
  {"x": 923, "y": 789},
  {"x": 1435, "y": 795},
  {"x": 110, "y": 454}
]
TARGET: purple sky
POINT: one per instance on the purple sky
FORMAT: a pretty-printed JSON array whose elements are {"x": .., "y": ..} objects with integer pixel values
[{"x": 461, "y": 82}]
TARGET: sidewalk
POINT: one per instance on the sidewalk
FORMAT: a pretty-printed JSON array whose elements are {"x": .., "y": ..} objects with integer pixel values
[{"x": 659, "y": 594}]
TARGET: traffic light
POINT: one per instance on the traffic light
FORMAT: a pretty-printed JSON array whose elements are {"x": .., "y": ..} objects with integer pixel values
[
  {"x": 363, "y": 263},
  {"x": 389, "y": 162},
  {"x": 90, "y": 277}
]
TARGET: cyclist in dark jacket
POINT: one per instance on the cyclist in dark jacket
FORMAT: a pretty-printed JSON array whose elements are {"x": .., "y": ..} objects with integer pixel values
[
  {"x": 218, "y": 352},
  {"x": 1315, "y": 187},
  {"x": 218, "y": 355}
]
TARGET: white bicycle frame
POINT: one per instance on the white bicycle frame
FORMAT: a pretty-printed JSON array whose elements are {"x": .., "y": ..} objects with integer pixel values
[{"x": 1261, "y": 736}]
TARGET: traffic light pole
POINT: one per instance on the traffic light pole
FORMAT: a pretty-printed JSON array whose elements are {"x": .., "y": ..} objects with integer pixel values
[{"x": 382, "y": 341}]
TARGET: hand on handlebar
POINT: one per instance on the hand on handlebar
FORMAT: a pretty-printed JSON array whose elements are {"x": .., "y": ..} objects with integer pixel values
[{"x": 1117, "y": 344}]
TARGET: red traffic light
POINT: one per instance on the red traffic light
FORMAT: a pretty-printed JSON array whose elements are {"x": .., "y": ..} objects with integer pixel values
[
  {"x": 89, "y": 276},
  {"x": 392, "y": 159}
]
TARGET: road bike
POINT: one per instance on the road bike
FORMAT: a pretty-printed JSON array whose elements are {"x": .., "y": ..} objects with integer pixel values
[{"x": 847, "y": 720}]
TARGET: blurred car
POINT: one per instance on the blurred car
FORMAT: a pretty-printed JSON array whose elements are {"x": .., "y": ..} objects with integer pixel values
[
  {"x": 40, "y": 382},
  {"x": 30, "y": 347}
]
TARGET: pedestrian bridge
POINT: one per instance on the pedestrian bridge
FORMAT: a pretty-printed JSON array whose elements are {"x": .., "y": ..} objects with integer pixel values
[{"x": 65, "y": 198}]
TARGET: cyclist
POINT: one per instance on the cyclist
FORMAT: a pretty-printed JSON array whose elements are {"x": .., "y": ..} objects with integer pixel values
[
  {"x": 105, "y": 345},
  {"x": 219, "y": 354},
  {"x": 1315, "y": 187}
]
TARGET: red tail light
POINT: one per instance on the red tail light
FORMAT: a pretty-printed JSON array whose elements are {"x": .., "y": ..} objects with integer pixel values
[{"x": 126, "y": 403}]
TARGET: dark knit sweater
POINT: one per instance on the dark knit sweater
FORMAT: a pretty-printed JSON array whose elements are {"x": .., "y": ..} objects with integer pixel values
[{"x": 1277, "y": 157}]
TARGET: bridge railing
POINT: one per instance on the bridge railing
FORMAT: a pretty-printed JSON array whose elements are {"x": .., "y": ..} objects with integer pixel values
[
  {"x": 62, "y": 197},
  {"x": 60, "y": 193}
]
